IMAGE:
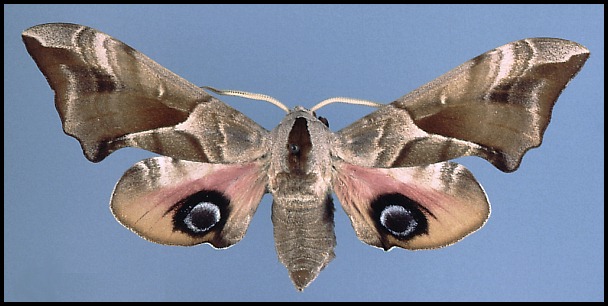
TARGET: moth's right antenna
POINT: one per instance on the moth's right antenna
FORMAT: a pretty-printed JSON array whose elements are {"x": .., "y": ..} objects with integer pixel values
[
  {"x": 345, "y": 100},
  {"x": 248, "y": 95}
]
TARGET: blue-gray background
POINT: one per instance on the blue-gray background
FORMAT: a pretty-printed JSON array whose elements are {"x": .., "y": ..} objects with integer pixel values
[{"x": 544, "y": 240}]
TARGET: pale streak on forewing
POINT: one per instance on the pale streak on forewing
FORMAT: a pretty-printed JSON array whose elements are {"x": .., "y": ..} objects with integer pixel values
[
  {"x": 507, "y": 64},
  {"x": 100, "y": 53},
  {"x": 503, "y": 60},
  {"x": 77, "y": 34},
  {"x": 161, "y": 91},
  {"x": 72, "y": 94},
  {"x": 535, "y": 106}
]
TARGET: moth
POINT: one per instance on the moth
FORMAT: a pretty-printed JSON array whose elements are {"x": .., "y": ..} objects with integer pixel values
[{"x": 390, "y": 170}]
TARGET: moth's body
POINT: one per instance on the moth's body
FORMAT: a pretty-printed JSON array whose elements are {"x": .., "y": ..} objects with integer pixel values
[
  {"x": 299, "y": 179},
  {"x": 390, "y": 170}
]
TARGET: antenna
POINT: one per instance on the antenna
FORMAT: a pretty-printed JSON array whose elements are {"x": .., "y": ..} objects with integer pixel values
[
  {"x": 248, "y": 95},
  {"x": 262, "y": 97},
  {"x": 347, "y": 101}
]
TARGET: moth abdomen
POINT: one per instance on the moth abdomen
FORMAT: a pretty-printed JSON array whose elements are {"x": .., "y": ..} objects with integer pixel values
[{"x": 304, "y": 237}]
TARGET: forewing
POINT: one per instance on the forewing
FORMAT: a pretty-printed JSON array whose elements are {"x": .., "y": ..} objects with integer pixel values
[
  {"x": 496, "y": 106},
  {"x": 110, "y": 96}
]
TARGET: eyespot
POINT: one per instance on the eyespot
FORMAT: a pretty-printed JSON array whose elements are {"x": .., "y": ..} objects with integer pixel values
[
  {"x": 398, "y": 220},
  {"x": 202, "y": 217},
  {"x": 200, "y": 213},
  {"x": 399, "y": 216}
]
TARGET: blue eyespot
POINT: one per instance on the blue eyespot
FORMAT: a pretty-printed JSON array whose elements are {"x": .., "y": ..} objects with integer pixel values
[
  {"x": 399, "y": 216},
  {"x": 202, "y": 217},
  {"x": 200, "y": 213},
  {"x": 398, "y": 220}
]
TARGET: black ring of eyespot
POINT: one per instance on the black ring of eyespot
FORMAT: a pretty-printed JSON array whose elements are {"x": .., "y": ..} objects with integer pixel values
[
  {"x": 399, "y": 216},
  {"x": 201, "y": 213}
]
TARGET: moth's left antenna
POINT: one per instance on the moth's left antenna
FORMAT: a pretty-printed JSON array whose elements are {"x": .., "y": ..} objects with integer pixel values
[{"x": 248, "y": 95}]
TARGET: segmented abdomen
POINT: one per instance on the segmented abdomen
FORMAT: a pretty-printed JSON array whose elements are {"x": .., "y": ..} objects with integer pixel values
[{"x": 304, "y": 236}]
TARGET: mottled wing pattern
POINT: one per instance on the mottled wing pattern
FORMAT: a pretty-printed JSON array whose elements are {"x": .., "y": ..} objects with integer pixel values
[
  {"x": 110, "y": 96},
  {"x": 390, "y": 175},
  {"x": 388, "y": 169},
  {"x": 496, "y": 106}
]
